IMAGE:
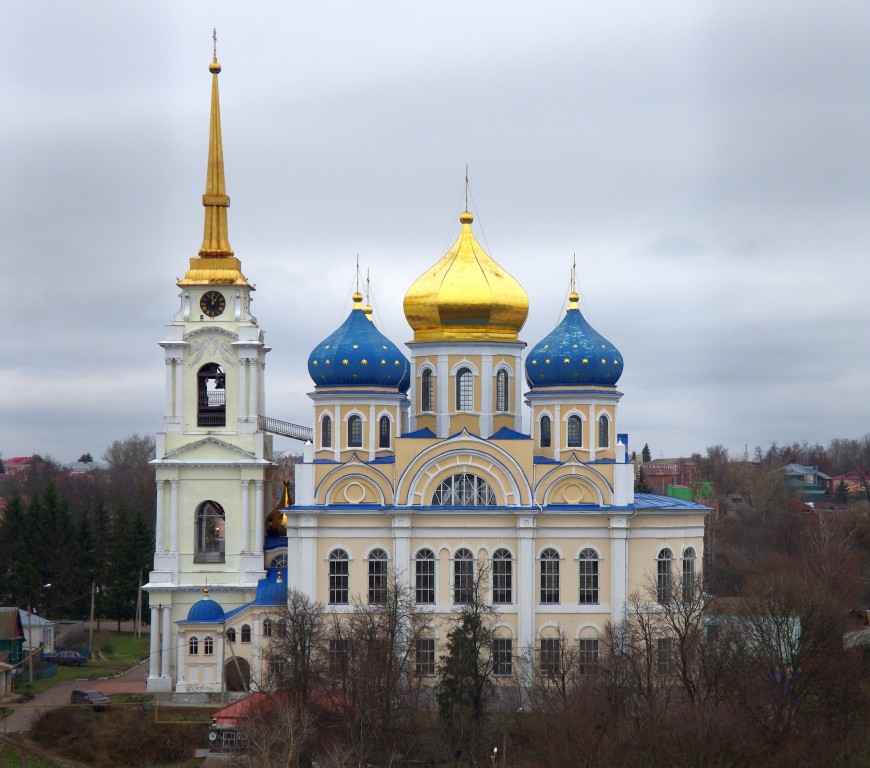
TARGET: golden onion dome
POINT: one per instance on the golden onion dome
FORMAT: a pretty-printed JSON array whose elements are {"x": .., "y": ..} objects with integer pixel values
[{"x": 466, "y": 296}]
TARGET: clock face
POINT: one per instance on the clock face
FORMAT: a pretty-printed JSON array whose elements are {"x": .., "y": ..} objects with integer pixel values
[{"x": 212, "y": 303}]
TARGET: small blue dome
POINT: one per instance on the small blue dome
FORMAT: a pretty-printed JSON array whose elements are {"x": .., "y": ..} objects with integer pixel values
[
  {"x": 273, "y": 589},
  {"x": 205, "y": 610},
  {"x": 573, "y": 353},
  {"x": 359, "y": 355}
]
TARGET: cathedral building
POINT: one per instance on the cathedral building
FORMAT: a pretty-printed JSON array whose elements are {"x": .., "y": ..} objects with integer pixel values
[{"x": 465, "y": 451}]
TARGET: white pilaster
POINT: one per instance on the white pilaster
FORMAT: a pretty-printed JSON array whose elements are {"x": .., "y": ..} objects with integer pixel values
[
  {"x": 442, "y": 387},
  {"x": 173, "y": 515},
  {"x": 618, "y": 565},
  {"x": 526, "y": 583},
  {"x": 486, "y": 385},
  {"x": 159, "y": 521},
  {"x": 260, "y": 524},
  {"x": 246, "y": 517}
]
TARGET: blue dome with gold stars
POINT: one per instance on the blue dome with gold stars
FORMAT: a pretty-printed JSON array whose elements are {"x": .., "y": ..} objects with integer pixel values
[
  {"x": 359, "y": 355},
  {"x": 573, "y": 353}
]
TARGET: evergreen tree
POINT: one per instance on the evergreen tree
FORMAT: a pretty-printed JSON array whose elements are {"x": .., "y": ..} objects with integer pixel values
[
  {"x": 121, "y": 582},
  {"x": 86, "y": 458},
  {"x": 842, "y": 493},
  {"x": 645, "y": 454},
  {"x": 11, "y": 554},
  {"x": 99, "y": 573},
  {"x": 640, "y": 483}
]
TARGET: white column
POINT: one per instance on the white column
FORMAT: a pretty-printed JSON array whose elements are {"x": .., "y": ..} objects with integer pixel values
[
  {"x": 618, "y": 566},
  {"x": 159, "y": 521},
  {"x": 526, "y": 583},
  {"x": 557, "y": 431},
  {"x": 593, "y": 432},
  {"x": 337, "y": 433},
  {"x": 246, "y": 517},
  {"x": 168, "y": 408},
  {"x": 164, "y": 650},
  {"x": 243, "y": 388},
  {"x": 260, "y": 520},
  {"x": 486, "y": 406},
  {"x": 260, "y": 408},
  {"x": 415, "y": 396},
  {"x": 253, "y": 388},
  {"x": 178, "y": 375},
  {"x": 173, "y": 515},
  {"x": 154, "y": 652},
  {"x": 442, "y": 387},
  {"x": 402, "y": 547}
]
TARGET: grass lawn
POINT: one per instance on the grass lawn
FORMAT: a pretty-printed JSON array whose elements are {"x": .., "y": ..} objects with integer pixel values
[
  {"x": 121, "y": 650},
  {"x": 9, "y": 758}
]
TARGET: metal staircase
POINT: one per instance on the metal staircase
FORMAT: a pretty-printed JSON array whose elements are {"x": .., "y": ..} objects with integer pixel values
[{"x": 286, "y": 429}]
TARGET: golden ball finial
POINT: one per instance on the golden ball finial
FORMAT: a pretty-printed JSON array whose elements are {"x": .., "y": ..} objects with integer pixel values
[
  {"x": 368, "y": 311},
  {"x": 214, "y": 67},
  {"x": 357, "y": 298},
  {"x": 465, "y": 217}
]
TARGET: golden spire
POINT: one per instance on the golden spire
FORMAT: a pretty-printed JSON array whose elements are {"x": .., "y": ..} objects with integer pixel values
[
  {"x": 368, "y": 307},
  {"x": 216, "y": 264},
  {"x": 573, "y": 296}
]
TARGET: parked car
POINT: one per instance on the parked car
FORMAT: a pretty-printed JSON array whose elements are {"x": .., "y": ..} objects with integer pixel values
[
  {"x": 68, "y": 658},
  {"x": 95, "y": 699}
]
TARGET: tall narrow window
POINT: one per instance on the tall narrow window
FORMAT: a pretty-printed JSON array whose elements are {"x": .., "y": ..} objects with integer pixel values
[
  {"x": 208, "y": 646},
  {"x": 326, "y": 432},
  {"x": 267, "y": 627},
  {"x": 545, "y": 432},
  {"x": 575, "y": 432},
  {"x": 424, "y": 577},
  {"x": 231, "y": 635},
  {"x": 384, "y": 425},
  {"x": 424, "y": 654},
  {"x": 551, "y": 656},
  {"x": 377, "y": 577},
  {"x": 549, "y": 576},
  {"x": 664, "y": 575},
  {"x": 502, "y": 656},
  {"x": 211, "y": 396},
  {"x": 464, "y": 390},
  {"x": 502, "y": 576},
  {"x": 603, "y": 431},
  {"x": 354, "y": 432},
  {"x": 210, "y": 528},
  {"x": 339, "y": 573},
  {"x": 463, "y": 576},
  {"x": 588, "y": 563},
  {"x": 246, "y": 633},
  {"x": 689, "y": 575},
  {"x": 193, "y": 646},
  {"x": 501, "y": 390},
  {"x": 588, "y": 655},
  {"x": 426, "y": 391},
  {"x": 665, "y": 656}
]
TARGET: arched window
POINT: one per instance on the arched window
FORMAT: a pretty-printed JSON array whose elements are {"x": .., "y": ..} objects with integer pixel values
[
  {"x": 339, "y": 574},
  {"x": 209, "y": 534},
  {"x": 588, "y": 562},
  {"x": 501, "y": 390},
  {"x": 384, "y": 432},
  {"x": 463, "y": 490},
  {"x": 502, "y": 576},
  {"x": 208, "y": 646},
  {"x": 193, "y": 646},
  {"x": 689, "y": 575},
  {"x": 326, "y": 432},
  {"x": 354, "y": 432},
  {"x": 575, "y": 431},
  {"x": 464, "y": 390},
  {"x": 426, "y": 391},
  {"x": 377, "y": 577},
  {"x": 267, "y": 627},
  {"x": 246, "y": 633},
  {"x": 549, "y": 576},
  {"x": 545, "y": 432},
  {"x": 211, "y": 396},
  {"x": 279, "y": 561},
  {"x": 424, "y": 577},
  {"x": 463, "y": 577},
  {"x": 588, "y": 651},
  {"x": 231, "y": 635},
  {"x": 664, "y": 575},
  {"x": 603, "y": 431}
]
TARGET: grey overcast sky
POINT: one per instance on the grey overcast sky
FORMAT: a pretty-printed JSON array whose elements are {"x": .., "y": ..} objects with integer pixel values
[{"x": 708, "y": 163}]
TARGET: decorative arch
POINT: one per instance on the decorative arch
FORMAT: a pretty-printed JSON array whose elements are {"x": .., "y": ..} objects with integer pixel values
[
  {"x": 464, "y": 453},
  {"x": 354, "y": 429},
  {"x": 209, "y": 532},
  {"x": 591, "y": 486},
  {"x": 211, "y": 396},
  {"x": 354, "y": 483}
]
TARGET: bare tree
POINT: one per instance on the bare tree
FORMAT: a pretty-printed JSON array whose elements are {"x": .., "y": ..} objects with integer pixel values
[{"x": 277, "y": 733}]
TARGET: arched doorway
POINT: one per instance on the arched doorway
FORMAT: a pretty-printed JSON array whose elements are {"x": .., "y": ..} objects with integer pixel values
[{"x": 237, "y": 673}]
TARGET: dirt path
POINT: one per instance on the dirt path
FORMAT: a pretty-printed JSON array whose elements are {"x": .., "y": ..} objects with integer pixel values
[{"x": 131, "y": 681}]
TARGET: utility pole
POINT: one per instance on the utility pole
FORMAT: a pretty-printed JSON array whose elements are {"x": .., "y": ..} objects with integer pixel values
[{"x": 91, "y": 638}]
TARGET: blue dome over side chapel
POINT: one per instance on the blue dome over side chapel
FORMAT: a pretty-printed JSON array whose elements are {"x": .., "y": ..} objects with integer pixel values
[
  {"x": 357, "y": 354},
  {"x": 273, "y": 589},
  {"x": 573, "y": 353},
  {"x": 205, "y": 610}
]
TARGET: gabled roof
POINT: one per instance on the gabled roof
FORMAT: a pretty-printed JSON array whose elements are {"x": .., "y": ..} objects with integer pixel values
[{"x": 10, "y": 624}]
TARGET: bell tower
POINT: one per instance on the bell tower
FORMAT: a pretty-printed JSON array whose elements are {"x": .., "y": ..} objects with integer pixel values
[{"x": 213, "y": 455}]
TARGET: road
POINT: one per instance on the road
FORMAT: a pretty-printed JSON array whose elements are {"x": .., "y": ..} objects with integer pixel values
[{"x": 131, "y": 681}]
